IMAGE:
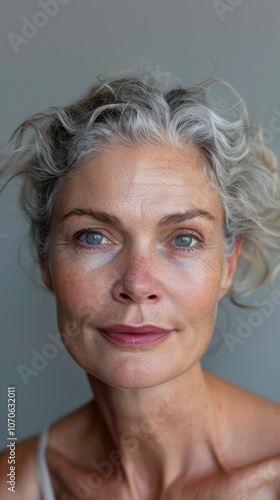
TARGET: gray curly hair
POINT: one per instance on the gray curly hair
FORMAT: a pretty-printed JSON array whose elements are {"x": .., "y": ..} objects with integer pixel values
[{"x": 152, "y": 107}]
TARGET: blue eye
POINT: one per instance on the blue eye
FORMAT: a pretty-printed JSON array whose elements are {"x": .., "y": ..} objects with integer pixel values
[
  {"x": 93, "y": 238},
  {"x": 189, "y": 242},
  {"x": 183, "y": 240}
]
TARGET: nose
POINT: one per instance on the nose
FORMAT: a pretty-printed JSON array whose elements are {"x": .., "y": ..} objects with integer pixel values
[{"x": 137, "y": 282}]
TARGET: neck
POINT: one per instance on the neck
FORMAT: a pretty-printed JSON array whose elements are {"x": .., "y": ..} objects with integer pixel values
[{"x": 161, "y": 431}]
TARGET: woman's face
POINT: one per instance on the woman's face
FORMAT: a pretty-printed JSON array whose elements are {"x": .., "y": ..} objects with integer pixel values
[{"x": 169, "y": 274}]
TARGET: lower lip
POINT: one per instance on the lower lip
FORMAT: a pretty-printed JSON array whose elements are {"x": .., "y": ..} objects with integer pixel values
[{"x": 133, "y": 341}]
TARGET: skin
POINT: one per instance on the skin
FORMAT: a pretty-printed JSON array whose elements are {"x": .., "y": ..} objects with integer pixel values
[{"x": 175, "y": 426}]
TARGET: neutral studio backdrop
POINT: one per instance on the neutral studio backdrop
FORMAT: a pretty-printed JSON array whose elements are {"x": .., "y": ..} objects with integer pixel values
[{"x": 54, "y": 63}]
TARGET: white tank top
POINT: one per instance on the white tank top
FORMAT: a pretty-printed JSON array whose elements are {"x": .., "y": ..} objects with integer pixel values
[{"x": 44, "y": 478}]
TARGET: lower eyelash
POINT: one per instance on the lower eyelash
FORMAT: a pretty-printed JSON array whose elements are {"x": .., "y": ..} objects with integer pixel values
[{"x": 190, "y": 249}]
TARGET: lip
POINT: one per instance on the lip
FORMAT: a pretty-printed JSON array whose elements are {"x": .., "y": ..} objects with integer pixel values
[{"x": 131, "y": 336}]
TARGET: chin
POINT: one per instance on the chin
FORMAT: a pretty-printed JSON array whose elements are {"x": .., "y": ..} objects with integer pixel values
[{"x": 131, "y": 379}]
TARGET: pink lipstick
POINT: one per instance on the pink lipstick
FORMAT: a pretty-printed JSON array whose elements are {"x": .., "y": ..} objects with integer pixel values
[{"x": 132, "y": 336}]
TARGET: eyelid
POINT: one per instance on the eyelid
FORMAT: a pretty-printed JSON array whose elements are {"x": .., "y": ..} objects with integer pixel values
[
  {"x": 190, "y": 232},
  {"x": 90, "y": 230},
  {"x": 183, "y": 231}
]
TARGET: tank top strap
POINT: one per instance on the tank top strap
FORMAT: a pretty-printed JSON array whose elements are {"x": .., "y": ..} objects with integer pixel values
[{"x": 43, "y": 474}]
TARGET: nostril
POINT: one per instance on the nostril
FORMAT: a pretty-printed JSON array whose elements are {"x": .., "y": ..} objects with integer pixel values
[{"x": 126, "y": 296}]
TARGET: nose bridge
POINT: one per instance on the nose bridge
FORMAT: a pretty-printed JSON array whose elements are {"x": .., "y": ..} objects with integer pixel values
[
  {"x": 140, "y": 261},
  {"x": 139, "y": 266},
  {"x": 138, "y": 279}
]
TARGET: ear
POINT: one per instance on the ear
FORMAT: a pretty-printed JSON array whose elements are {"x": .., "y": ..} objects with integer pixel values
[
  {"x": 45, "y": 272},
  {"x": 230, "y": 267}
]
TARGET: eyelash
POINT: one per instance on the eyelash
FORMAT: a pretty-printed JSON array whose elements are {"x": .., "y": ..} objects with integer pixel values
[{"x": 194, "y": 235}]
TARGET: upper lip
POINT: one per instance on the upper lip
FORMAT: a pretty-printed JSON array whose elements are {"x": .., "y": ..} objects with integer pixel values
[{"x": 133, "y": 329}]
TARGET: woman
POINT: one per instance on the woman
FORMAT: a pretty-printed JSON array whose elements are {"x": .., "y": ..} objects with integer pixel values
[{"x": 143, "y": 200}]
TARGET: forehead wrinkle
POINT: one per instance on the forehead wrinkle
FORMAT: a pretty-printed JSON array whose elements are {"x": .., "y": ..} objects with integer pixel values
[{"x": 164, "y": 174}]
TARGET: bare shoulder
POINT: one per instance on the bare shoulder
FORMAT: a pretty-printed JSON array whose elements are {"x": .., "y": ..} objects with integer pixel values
[
  {"x": 21, "y": 468},
  {"x": 251, "y": 424},
  {"x": 258, "y": 482},
  {"x": 74, "y": 424}
]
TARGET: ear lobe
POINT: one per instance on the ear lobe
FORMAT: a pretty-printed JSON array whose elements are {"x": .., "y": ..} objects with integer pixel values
[
  {"x": 45, "y": 272},
  {"x": 231, "y": 266}
]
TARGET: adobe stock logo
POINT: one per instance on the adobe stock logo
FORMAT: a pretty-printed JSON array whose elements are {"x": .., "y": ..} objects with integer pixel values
[
  {"x": 246, "y": 328},
  {"x": 227, "y": 6},
  {"x": 29, "y": 29}
]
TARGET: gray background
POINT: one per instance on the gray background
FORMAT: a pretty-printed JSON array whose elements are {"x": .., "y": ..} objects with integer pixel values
[{"x": 56, "y": 66}]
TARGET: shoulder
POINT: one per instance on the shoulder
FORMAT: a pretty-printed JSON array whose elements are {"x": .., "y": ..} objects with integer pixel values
[
  {"x": 75, "y": 424},
  {"x": 24, "y": 463},
  {"x": 250, "y": 423}
]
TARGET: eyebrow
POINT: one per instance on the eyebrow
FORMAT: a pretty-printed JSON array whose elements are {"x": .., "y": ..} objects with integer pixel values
[{"x": 167, "y": 220}]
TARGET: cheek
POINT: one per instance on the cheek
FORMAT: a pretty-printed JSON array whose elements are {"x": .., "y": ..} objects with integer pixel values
[
  {"x": 78, "y": 291},
  {"x": 201, "y": 286},
  {"x": 78, "y": 301}
]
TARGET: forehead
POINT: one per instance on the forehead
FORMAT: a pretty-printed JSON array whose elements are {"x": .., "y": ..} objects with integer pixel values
[{"x": 141, "y": 175}]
